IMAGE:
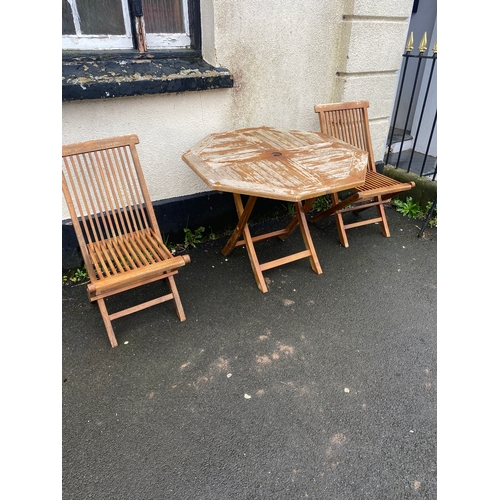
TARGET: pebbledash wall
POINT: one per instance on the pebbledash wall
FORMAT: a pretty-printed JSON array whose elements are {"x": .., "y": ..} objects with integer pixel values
[{"x": 283, "y": 58}]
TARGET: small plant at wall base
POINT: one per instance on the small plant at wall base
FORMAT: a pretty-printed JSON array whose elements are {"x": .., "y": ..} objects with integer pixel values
[
  {"x": 75, "y": 276},
  {"x": 413, "y": 210},
  {"x": 322, "y": 203},
  {"x": 409, "y": 208},
  {"x": 434, "y": 221},
  {"x": 191, "y": 239}
]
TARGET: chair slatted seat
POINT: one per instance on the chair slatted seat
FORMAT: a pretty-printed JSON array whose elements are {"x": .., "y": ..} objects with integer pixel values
[
  {"x": 115, "y": 224},
  {"x": 348, "y": 122}
]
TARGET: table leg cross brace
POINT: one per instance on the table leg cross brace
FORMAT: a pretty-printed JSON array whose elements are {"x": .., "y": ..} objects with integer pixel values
[{"x": 242, "y": 230}]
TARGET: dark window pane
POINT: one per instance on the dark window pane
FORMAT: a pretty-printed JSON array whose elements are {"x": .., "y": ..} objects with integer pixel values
[
  {"x": 68, "y": 27},
  {"x": 163, "y": 16},
  {"x": 101, "y": 17}
]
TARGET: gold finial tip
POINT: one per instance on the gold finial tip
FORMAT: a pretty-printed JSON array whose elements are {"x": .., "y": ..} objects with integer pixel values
[
  {"x": 409, "y": 44},
  {"x": 423, "y": 43}
]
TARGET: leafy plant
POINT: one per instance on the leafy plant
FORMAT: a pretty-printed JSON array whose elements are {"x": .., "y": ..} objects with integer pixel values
[
  {"x": 80, "y": 275},
  {"x": 191, "y": 239},
  {"x": 322, "y": 203},
  {"x": 75, "y": 276},
  {"x": 414, "y": 210},
  {"x": 433, "y": 222},
  {"x": 409, "y": 208}
]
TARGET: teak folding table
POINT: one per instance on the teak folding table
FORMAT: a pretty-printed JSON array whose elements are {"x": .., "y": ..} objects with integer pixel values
[{"x": 289, "y": 165}]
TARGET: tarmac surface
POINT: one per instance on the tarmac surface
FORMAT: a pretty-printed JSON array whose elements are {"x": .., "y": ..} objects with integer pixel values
[{"x": 322, "y": 388}]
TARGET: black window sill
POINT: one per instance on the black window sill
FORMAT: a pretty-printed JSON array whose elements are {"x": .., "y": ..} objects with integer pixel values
[{"x": 120, "y": 74}]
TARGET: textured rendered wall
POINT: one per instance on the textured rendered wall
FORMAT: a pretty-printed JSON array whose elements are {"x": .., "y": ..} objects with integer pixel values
[
  {"x": 285, "y": 58},
  {"x": 167, "y": 125},
  {"x": 372, "y": 43}
]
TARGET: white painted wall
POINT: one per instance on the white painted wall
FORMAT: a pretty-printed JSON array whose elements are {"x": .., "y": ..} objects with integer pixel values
[{"x": 285, "y": 57}]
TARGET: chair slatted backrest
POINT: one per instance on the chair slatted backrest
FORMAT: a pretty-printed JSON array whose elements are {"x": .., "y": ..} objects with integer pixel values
[
  {"x": 348, "y": 122},
  {"x": 105, "y": 190}
]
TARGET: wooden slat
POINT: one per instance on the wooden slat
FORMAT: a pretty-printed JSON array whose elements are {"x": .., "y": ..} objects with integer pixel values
[
  {"x": 99, "y": 144},
  {"x": 285, "y": 260},
  {"x": 140, "y": 307},
  {"x": 128, "y": 253}
]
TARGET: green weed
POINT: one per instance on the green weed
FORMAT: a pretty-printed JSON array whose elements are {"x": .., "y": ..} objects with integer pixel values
[
  {"x": 409, "y": 208},
  {"x": 191, "y": 239},
  {"x": 433, "y": 222},
  {"x": 322, "y": 203},
  {"x": 75, "y": 276},
  {"x": 414, "y": 211}
]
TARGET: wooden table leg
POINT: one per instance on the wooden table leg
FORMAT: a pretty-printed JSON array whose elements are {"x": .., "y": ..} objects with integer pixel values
[
  {"x": 295, "y": 221},
  {"x": 242, "y": 229},
  {"x": 306, "y": 235}
]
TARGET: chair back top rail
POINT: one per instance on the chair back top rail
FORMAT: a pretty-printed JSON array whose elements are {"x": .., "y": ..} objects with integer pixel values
[{"x": 348, "y": 122}]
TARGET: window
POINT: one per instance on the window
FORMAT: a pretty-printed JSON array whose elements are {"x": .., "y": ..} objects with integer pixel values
[
  {"x": 125, "y": 24},
  {"x": 123, "y": 48}
]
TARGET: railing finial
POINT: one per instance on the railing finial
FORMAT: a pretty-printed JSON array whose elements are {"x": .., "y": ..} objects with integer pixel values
[
  {"x": 435, "y": 49},
  {"x": 409, "y": 44},
  {"x": 423, "y": 43}
]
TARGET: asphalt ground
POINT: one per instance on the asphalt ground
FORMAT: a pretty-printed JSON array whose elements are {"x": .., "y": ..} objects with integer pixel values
[{"x": 324, "y": 387}]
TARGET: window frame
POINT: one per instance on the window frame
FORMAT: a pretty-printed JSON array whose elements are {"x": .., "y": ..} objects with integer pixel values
[
  {"x": 162, "y": 41},
  {"x": 136, "y": 35}
]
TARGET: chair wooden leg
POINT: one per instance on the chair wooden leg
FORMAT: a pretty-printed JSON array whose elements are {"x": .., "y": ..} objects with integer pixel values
[
  {"x": 107, "y": 322},
  {"x": 384, "y": 226},
  {"x": 177, "y": 299},
  {"x": 339, "y": 221}
]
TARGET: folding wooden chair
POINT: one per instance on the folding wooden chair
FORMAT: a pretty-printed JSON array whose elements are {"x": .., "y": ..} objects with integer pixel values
[
  {"x": 115, "y": 224},
  {"x": 348, "y": 122}
]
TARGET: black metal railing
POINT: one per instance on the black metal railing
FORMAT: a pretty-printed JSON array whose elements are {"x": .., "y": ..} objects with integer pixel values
[{"x": 411, "y": 142}]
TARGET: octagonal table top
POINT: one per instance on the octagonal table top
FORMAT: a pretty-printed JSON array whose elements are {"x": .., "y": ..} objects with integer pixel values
[{"x": 288, "y": 165}]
